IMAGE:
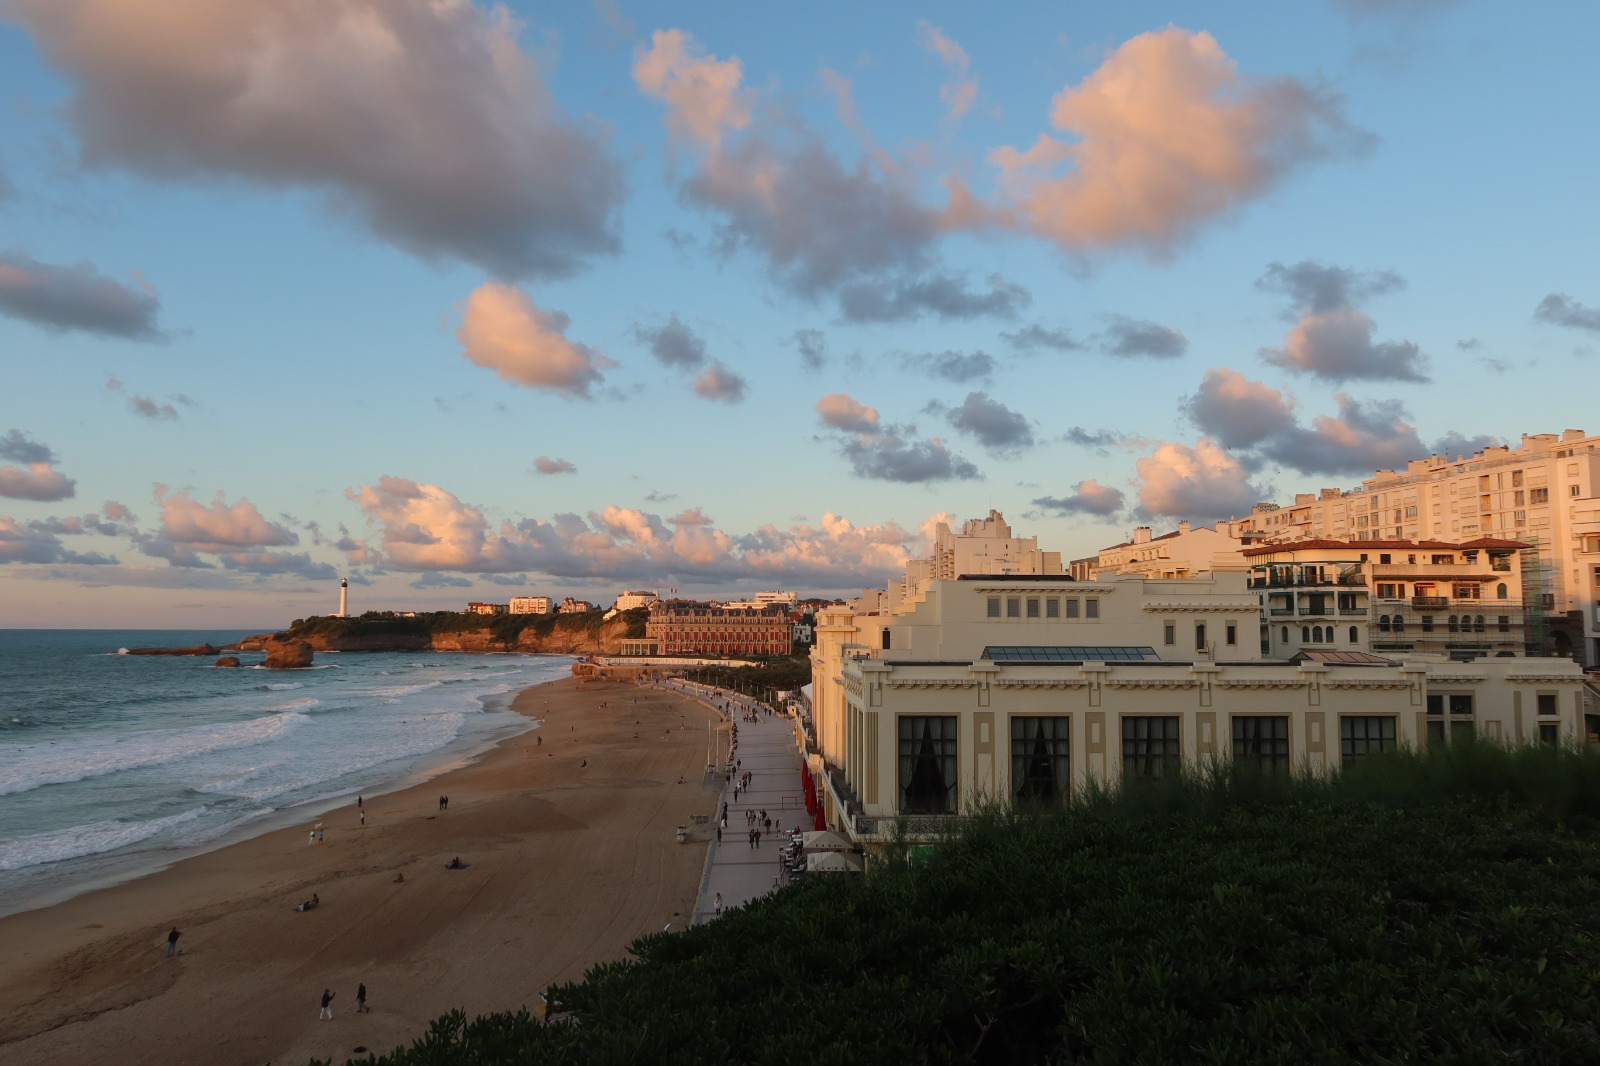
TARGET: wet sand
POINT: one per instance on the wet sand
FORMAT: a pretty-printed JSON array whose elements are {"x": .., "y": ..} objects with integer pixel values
[{"x": 568, "y": 833}]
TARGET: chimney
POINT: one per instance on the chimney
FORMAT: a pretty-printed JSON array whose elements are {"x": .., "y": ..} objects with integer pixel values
[
  {"x": 1141, "y": 535},
  {"x": 1183, "y": 526}
]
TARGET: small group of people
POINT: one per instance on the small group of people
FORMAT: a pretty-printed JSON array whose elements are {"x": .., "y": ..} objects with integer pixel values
[
  {"x": 455, "y": 864},
  {"x": 327, "y": 1003},
  {"x": 444, "y": 803}
]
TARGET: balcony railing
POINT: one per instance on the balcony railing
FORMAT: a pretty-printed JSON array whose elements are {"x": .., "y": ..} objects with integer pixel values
[
  {"x": 1352, "y": 612},
  {"x": 1282, "y": 610},
  {"x": 1430, "y": 601}
]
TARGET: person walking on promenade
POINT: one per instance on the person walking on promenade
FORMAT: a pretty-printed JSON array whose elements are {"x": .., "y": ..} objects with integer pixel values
[
  {"x": 361, "y": 999},
  {"x": 172, "y": 942},
  {"x": 717, "y": 905},
  {"x": 327, "y": 1007},
  {"x": 719, "y": 834}
]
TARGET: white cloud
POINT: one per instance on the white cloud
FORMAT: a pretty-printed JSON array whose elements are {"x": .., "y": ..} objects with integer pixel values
[{"x": 503, "y": 331}]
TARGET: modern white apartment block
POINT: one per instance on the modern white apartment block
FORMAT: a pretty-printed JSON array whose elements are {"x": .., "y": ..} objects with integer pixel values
[
  {"x": 1545, "y": 493},
  {"x": 984, "y": 546},
  {"x": 999, "y": 689},
  {"x": 532, "y": 605},
  {"x": 629, "y": 600}
]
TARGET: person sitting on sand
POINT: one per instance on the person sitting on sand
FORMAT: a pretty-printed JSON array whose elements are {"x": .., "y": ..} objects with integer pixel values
[
  {"x": 309, "y": 904},
  {"x": 400, "y": 878},
  {"x": 455, "y": 864}
]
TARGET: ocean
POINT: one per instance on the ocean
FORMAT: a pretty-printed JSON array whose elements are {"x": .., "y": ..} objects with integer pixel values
[{"x": 114, "y": 765}]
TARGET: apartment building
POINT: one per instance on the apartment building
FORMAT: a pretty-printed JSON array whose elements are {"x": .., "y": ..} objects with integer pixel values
[
  {"x": 1545, "y": 493},
  {"x": 681, "y": 627},
  {"x": 532, "y": 605}
]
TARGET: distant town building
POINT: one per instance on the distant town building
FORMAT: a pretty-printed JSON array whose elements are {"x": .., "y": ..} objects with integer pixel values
[
  {"x": 681, "y": 627},
  {"x": 629, "y": 600},
  {"x": 532, "y": 605},
  {"x": 766, "y": 599},
  {"x": 486, "y": 608},
  {"x": 572, "y": 606},
  {"x": 1187, "y": 551}
]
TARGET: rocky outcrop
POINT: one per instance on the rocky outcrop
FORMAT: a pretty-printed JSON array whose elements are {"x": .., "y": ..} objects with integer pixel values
[
  {"x": 226, "y": 660},
  {"x": 198, "y": 649},
  {"x": 605, "y": 640},
  {"x": 287, "y": 654}
]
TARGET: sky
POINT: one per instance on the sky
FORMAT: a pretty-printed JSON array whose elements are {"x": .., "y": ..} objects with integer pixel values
[{"x": 464, "y": 301}]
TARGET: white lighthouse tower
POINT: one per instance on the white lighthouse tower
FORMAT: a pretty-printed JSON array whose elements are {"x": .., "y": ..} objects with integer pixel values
[{"x": 344, "y": 592}]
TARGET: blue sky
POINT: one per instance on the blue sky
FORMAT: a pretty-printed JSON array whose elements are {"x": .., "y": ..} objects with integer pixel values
[{"x": 462, "y": 300}]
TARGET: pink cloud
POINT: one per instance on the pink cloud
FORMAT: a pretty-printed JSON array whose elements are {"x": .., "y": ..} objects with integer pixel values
[
  {"x": 1164, "y": 134},
  {"x": 840, "y": 411},
  {"x": 35, "y": 481},
  {"x": 217, "y": 526},
  {"x": 702, "y": 93},
  {"x": 1201, "y": 482},
  {"x": 503, "y": 331},
  {"x": 959, "y": 93}
]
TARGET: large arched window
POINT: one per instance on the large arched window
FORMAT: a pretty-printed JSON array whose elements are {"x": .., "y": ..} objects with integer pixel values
[
  {"x": 1500, "y": 591},
  {"x": 1283, "y": 634},
  {"x": 1305, "y": 634},
  {"x": 1354, "y": 635},
  {"x": 1383, "y": 623},
  {"x": 1399, "y": 624},
  {"x": 1454, "y": 625},
  {"x": 1477, "y": 624}
]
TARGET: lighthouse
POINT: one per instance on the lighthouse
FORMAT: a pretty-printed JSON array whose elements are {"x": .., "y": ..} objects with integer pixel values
[{"x": 344, "y": 592}]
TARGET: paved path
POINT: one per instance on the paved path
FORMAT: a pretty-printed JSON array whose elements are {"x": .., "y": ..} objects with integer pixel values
[{"x": 767, "y": 750}]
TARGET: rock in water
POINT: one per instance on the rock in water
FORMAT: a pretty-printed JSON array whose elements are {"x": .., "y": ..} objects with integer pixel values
[
  {"x": 287, "y": 654},
  {"x": 226, "y": 660}
]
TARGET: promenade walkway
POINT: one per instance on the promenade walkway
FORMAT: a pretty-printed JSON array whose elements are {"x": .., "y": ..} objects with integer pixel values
[{"x": 767, "y": 750}]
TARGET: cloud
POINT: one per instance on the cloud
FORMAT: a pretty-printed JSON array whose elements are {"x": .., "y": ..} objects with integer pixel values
[
  {"x": 674, "y": 344},
  {"x": 1259, "y": 424},
  {"x": 720, "y": 384},
  {"x": 267, "y": 564},
  {"x": 144, "y": 405},
  {"x": 117, "y": 512},
  {"x": 503, "y": 331},
  {"x": 961, "y": 90},
  {"x": 995, "y": 425},
  {"x": 37, "y": 478},
  {"x": 813, "y": 348},
  {"x": 1164, "y": 135},
  {"x": 1088, "y": 497},
  {"x": 824, "y": 228},
  {"x": 839, "y": 411},
  {"x": 1237, "y": 412},
  {"x": 944, "y": 296},
  {"x": 1202, "y": 482},
  {"x": 956, "y": 367},
  {"x": 1036, "y": 337},
  {"x": 1559, "y": 309},
  {"x": 421, "y": 118},
  {"x": 17, "y": 447},
  {"x": 1127, "y": 338},
  {"x": 1332, "y": 338},
  {"x": 434, "y": 580},
  {"x": 1400, "y": 8},
  {"x": 77, "y": 297},
  {"x": 545, "y": 465},
  {"x": 426, "y": 529},
  {"x": 190, "y": 528},
  {"x": 1084, "y": 439},
  {"x": 889, "y": 456},
  {"x": 34, "y": 542}
]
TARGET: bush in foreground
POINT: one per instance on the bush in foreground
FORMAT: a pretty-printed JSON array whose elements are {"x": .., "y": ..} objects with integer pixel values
[{"x": 1428, "y": 908}]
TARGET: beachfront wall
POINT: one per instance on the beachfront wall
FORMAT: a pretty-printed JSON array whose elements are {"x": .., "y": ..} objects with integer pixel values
[{"x": 928, "y": 740}]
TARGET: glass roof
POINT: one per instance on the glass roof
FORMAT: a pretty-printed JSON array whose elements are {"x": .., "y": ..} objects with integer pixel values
[{"x": 1033, "y": 653}]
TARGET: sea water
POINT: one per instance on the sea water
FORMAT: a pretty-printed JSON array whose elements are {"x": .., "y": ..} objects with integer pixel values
[{"x": 115, "y": 765}]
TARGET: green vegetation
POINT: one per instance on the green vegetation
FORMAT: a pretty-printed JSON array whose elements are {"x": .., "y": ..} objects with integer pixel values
[
  {"x": 1435, "y": 907},
  {"x": 507, "y": 629},
  {"x": 781, "y": 673}
]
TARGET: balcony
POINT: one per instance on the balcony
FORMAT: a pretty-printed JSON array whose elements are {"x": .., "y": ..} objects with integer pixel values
[
  {"x": 1352, "y": 612},
  {"x": 1315, "y": 611},
  {"x": 1430, "y": 601},
  {"x": 1275, "y": 611}
]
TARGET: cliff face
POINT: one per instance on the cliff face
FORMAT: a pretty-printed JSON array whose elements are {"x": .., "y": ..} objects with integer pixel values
[{"x": 607, "y": 640}]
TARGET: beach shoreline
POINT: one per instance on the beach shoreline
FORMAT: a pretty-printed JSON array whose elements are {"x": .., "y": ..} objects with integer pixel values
[{"x": 568, "y": 834}]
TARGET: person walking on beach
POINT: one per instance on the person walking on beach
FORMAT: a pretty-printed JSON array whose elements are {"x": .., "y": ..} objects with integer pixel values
[
  {"x": 363, "y": 813},
  {"x": 172, "y": 942},
  {"x": 361, "y": 999},
  {"x": 327, "y": 1007},
  {"x": 358, "y": 801}
]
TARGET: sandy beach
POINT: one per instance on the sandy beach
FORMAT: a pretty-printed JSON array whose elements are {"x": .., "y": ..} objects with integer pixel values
[{"x": 568, "y": 836}]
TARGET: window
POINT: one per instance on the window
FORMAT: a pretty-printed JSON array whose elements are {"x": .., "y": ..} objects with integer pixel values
[
  {"x": 1383, "y": 623},
  {"x": 1231, "y": 634},
  {"x": 1169, "y": 634},
  {"x": 1013, "y": 607},
  {"x": 1549, "y": 733},
  {"x": 1091, "y": 608},
  {"x": 1283, "y": 634},
  {"x": 1516, "y": 478},
  {"x": 994, "y": 606},
  {"x": 1041, "y": 767},
  {"x": 1033, "y": 607},
  {"x": 1052, "y": 608},
  {"x": 1518, "y": 498},
  {"x": 1427, "y": 623},
  {"x": 1262, "y": 742},
  {"x": 1538, "y": 495},
  {"x": 1364, "y": 734},
  {"x": 1199, "y": 636},
  {"x": 927, "y": 764},
  {"x": 1572, "y": 490},
  {"x": 1505, "y": 623},
  {"x": 1383, "y": 558},
  {"x": 1149, "y": 746},
  {"x": 1547, "y": 703},
  {"x": 1305, "y": 634},
  {"x": 1072, "y": 608},
  {"x": 1355, "y": 635},
  {"x": 886, "y": 646}
]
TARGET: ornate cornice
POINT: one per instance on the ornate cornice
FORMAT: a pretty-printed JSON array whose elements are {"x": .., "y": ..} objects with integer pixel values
[
  {"x": 1263, "y": 682},
  {"x": 1151, "y": 682},
  {"x": 1041, "y": 682},
  {"x": 929, "y": 682},
  {"x": 1192, "y": 607}
]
